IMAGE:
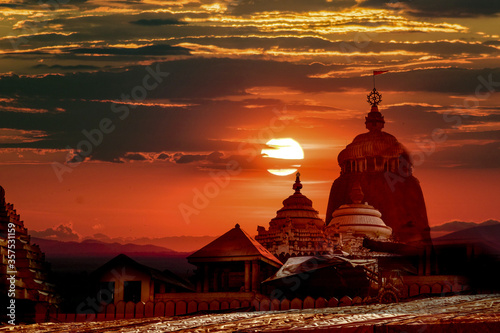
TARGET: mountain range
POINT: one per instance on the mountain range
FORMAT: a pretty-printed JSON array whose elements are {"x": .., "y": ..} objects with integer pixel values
[
  {"x": 446, "y": 228},
  {"x": 176, "y": 243},
  {"x": 485, "y": 236},
  {"x": 88, "y": 255}
]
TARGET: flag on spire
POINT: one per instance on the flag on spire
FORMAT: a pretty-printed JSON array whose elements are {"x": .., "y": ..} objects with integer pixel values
[{"x": 379, "y": 72}]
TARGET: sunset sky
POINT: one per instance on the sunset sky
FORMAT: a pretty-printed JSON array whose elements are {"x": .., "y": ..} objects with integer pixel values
[{"x": 147, "y": 118}]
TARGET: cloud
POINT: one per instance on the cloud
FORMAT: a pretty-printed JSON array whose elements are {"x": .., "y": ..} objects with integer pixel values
[
  {"x": 163, "y": 156},
  {"x": 183, "y": 159},
  {"x": 243, "y": 7},
  {"x": 473, "y": 156},
  {"x": 214, "y": 157},
  {"x": 156, "y": 22},
  {"x": 417, "y": 120},
  {"x": 158, "y": 49},
  {"x": 441, "y": 8},
  {"x": 208, "y": 119},
  {"x": 66, "y": 67},
  {"x": 61, "y": 233},
  {"x": 136, "y": 157},
  {"x": 479, "y": 135}
]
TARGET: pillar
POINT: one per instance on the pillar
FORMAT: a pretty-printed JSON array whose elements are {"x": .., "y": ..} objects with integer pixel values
[
  {"x": 255, "y": 276},
  {"x": 421, "y": 259},
  {"x": 428, "y": 260},
  {"x": 470, "y": 252},
  {"x": 216, "y": 279},
  {"x": 247, "y": 275},
  {"x": 206, "y": 279},
  {"x": 225, "y": 279}
]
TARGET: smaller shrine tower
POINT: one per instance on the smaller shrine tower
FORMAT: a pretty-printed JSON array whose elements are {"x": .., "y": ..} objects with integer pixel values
[
  {"x": 354, "y": 222},
  {"x": 297, "y": 229}
]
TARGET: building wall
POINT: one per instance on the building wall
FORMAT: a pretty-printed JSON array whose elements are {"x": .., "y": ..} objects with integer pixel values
[
  {"x": 31, "y": 269},
  {"x": 119, "y": 275}
]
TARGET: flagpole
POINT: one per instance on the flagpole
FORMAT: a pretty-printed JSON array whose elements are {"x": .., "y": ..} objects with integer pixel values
[{"x": 377, "y": 73}]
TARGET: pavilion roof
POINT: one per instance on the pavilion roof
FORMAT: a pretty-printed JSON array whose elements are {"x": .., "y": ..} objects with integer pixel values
[{"x": 234, "y": 245}]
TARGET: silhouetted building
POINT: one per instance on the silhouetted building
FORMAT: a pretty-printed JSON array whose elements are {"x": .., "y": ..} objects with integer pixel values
[
  {"x": 233, "y": 262},
  {"x": 124, "y": 279},
  {"x": 25, "y": 261},
  {"x": 297, "y": 229},
  {"x": 383, "y": 168}
]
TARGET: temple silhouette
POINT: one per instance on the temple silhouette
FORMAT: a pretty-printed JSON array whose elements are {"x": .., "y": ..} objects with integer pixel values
[
  {"x": 374, "y": 246},
  {"x": 383, "y": 168}
]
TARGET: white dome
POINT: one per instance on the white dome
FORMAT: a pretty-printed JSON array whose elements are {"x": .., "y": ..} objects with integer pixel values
[{"x": 360, "y": 220}]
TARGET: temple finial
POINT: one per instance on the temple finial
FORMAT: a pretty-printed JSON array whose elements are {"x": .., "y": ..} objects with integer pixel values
[
  {"x": 298, "y": 185},
  {"x": 374, "y": 98},
  {"x": 374, "y": 121}
]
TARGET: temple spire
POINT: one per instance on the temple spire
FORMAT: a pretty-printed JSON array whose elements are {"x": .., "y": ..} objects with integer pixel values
[
  {"x": 374, "y": 121},
  {"x": 298, "y": 185}
]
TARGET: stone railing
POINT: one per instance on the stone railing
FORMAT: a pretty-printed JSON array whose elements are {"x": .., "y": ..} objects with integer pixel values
[{"x": 178, "y": 304}]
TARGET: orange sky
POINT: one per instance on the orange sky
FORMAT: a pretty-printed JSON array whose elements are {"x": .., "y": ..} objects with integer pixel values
[{"x": 181, "y": 90}]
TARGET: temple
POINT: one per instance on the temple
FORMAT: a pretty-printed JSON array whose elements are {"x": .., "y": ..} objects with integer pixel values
[
  {"x": 25, "y": 261},
  {"x": 297, "y": 229},
  {"x": 383, "y": 168},
  {"x": 355, "y": 222}
]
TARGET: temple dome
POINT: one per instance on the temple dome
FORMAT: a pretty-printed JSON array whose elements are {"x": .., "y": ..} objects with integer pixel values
[
  {"x": 372, "y": 144},
  {"x": 296, "y": 230},
  {"x": 359, "y": 219},
  {"x": 376, "y": 150},
  {"x": 298, "y": 206}
]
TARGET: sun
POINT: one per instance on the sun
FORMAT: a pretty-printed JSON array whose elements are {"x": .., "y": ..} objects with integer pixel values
[{"x": 283, "y": 149}]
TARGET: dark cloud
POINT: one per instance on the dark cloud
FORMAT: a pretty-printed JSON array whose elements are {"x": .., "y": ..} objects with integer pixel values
[
  {"x": 163, "y": 156},
  {"x": 158, "y": 49},
  {"x": 136, "y": 157},
  {"x": 417, "y": 120},
  {"x": 183, "y": 159},
  {"x": 441, "y": 8},
  {"x": 215, "y": 157},
  {"x": 66, "y": 67},
  {"x": 441, "y": 48},
  {"x": 61, "y": 233},
  {"x": 189, "y": 78},
  {"x": 492, "y": 42},
  {"x": 480, "y": 156},
  {"x": 156, "y": 22},
  {"x": 480, "y": 135},
  {"x": 208, "y": 120},
  {"x": 253, "y": 6},
  {"x": 9, "y": 5},
  {"x": 457, "y": 81}
]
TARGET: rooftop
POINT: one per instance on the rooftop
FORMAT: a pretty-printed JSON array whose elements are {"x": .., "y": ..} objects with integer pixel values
[{"x": 235, "y": 243}]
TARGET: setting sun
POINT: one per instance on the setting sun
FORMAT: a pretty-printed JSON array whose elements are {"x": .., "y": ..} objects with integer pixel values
[{"x": 286, "y": 149}]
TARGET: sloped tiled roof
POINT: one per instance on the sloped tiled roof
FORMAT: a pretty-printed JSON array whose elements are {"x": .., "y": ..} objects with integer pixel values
[
  {"x": 165, "y": 276},
  {"x": 234, "y": 243}
]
